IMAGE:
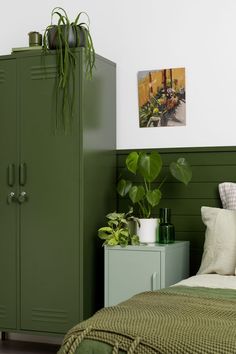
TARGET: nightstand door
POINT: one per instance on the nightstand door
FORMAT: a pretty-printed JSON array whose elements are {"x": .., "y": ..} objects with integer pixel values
[{"x": 129, "y": 272}]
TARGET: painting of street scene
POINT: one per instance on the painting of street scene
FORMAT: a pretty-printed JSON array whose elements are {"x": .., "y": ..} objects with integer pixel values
[{"x": 161, "y": 95}]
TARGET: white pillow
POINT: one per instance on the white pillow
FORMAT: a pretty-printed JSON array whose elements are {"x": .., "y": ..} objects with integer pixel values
[
  {"x": 219, "y": 254},
  {"x": 227, "y": 192}
]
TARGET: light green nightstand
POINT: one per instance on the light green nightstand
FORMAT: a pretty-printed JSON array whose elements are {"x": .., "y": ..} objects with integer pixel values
[{"x": 133, "y": 269}]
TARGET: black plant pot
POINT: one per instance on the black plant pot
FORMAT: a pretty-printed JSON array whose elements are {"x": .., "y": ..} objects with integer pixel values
[{"x": 75, "y": 37}]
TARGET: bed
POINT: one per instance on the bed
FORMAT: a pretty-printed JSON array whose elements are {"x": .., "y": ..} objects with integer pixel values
[{"x": 197, "y": 315}]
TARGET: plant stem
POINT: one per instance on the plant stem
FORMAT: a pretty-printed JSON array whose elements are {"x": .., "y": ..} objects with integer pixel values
[
  {"x": 145, "y": 183},
  {"x": 162, "y": 182},
  {"x": 142, "y": 208}
]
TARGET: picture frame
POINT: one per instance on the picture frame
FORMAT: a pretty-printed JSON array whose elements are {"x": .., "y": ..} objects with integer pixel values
[{"x": 162, "y": 98}]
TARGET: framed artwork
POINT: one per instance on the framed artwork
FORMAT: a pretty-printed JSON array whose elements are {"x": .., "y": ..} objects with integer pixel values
[{"x": 161, "y": 95}]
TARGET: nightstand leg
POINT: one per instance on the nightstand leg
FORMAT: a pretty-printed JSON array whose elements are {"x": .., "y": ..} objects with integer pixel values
[{"x": 3, "y": 335}]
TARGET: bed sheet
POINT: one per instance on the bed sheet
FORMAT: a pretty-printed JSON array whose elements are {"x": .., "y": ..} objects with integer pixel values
[{"x": 210, "y": 281}]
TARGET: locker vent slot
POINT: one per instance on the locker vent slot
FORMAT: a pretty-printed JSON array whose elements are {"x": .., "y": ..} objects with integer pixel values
[
  {"x": 49, "y": 315},
  {"x": 2, "y": 312},
  {"x": 2, "y": 76},
  {"x": 43, "y": 72}
]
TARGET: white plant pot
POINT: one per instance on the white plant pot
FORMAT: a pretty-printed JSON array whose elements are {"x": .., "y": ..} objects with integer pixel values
[{"x": 148, "y": 230}]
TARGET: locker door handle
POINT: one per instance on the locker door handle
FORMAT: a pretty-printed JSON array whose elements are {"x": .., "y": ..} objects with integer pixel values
[
  {"x": 11, "y": 198},
  {"x": 23, "y": 197},
  {"x": 11, "y": 175},
  {"x": 154, "y": 281},
  {"x": 22, "y": 174}
]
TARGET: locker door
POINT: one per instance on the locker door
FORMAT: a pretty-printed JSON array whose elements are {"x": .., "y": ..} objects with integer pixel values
[
  {"x": 49, "y": 213},
  {"x": 8, "y": 186}
]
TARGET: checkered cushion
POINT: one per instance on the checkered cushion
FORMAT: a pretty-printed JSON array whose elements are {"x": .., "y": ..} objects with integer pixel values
[
  {"x": 228, "y": 195},
  {"x": 227, "y": 192}
]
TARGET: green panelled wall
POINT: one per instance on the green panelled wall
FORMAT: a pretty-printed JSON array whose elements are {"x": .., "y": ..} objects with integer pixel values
[{"x": 210, "y": 167}]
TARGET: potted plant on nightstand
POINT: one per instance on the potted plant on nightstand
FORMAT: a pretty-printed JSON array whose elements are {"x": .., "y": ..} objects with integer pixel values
[
  {"x": 63, "y": 37},
  {"x": 146, "y": 196},
  {"x": 118, "y": 230}
]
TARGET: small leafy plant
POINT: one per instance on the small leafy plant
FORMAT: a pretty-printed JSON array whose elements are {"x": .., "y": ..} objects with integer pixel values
[
  {"x": 149, "y": 166},
  {"x": 118, "y": 232},
  {"x": 62, "y": 37}
]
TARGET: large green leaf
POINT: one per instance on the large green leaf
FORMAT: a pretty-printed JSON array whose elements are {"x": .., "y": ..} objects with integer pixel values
[
  {"x": 132, "y": 161},
  {"x": 136, "y": 193},
  {"x": 113, "y": 223},
  {"x": 149, "y": 165},
  {"x": 181, "y": 170},
  {"x": 124, "y": 232},
  {"x": 135, "y": 240},
  {"x": 105, "y": 232},
  {"x": 115, "y": 216},
  {"x": 153, "y": 197},
  {"x": 123, "y": 187},
  {"x": 105, "y": 229},
  {"x": 112, "y": 242},
  {"x": 123, "y": 241}
]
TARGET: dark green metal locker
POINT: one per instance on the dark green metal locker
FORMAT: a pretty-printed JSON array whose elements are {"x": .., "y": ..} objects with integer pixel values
[{"x": 63, "y": 185}]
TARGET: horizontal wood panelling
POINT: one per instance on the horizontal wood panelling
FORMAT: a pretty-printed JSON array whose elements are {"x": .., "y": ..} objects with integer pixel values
[
  {"x": 187, "y": 223},
  {"x": 207, "y": 190},
  {"x": 196, "y": 240},
  {"x": 209, "y": 173},
  {"x": 178, "y": 206},
  {"x": 197, "y": 158},
  {"x": 210, "y": 167}
]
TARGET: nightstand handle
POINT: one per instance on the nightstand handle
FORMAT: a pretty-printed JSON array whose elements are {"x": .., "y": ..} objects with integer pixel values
[{"x": 154, "y": 281}]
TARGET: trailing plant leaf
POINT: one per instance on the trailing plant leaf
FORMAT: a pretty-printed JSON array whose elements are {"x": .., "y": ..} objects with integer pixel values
[
  {"x": 115, "y": 216},
  {"x": 181, "y": 170},
  {"x": 135, "y": 240},
  {"x": 113, "y": 223},
  {"x": 124, "y": 232},
  {"x": 105, "y": 232},
  {"x": 111, "y": 242},
  {"x": 129, "y": 215},
  {"x": 123, "y": 240}
]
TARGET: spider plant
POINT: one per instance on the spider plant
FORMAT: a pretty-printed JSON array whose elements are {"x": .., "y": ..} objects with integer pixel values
[{"x": 63, "y": 37}]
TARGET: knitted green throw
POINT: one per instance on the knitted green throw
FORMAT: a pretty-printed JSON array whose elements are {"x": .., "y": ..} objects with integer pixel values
[{"x": 171, "y": 321}]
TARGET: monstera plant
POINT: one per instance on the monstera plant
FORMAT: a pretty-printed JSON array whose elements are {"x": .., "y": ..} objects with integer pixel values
[{"x": 147, "y": 194}]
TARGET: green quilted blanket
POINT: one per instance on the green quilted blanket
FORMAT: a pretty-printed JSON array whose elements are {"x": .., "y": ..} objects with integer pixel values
[{"x": 171, "y": 321}]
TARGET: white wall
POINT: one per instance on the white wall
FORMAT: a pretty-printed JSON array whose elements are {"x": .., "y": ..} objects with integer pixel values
[{"x": 153, "y": 34}]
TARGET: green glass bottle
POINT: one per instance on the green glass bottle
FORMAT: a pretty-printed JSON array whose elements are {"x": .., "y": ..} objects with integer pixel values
[{"x": 166, "y": 229}]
